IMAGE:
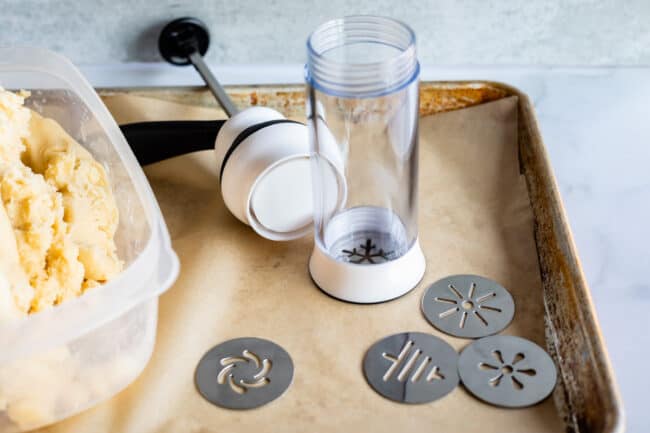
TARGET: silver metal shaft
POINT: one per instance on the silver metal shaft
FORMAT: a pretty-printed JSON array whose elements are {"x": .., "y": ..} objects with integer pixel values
[{"x": 213, "y": 84}]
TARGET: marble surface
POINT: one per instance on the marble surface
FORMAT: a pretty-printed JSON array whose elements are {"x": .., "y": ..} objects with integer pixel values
[
  {"x": 596, "y": 126},
  {"x": 593, "y": 32}
]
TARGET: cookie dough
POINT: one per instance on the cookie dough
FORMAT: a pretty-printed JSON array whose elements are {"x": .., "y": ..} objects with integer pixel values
[
  {"x": 15, "y": 292},
  {"x": 58, "y": 219},
  {"x": 58, "y": 216}
]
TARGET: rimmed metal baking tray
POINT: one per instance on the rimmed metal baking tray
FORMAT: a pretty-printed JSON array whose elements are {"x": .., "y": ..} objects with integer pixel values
[{"x": 586, "y": 397}]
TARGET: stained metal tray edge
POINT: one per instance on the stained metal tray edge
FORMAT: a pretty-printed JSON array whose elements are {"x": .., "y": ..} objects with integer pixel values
[{"x": 565, "y": 287}]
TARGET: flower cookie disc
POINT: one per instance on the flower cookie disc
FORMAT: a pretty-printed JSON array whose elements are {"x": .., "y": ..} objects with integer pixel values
[{"x": 507, "y": 371}]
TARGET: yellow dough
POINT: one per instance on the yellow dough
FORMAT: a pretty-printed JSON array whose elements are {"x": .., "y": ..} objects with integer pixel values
[
  {"x": 89, "y": 207},
  {"x": 58, "y": 219},
  {"x": 58, "y": 215},
  {"x": 15, "y": 292}
]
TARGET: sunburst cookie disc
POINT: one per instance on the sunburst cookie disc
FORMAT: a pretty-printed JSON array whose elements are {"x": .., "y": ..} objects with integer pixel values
[{"x": 468, "y": 306}]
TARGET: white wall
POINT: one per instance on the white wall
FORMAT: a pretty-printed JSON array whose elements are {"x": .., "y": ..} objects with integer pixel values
[{"x": 569, "y": 32}]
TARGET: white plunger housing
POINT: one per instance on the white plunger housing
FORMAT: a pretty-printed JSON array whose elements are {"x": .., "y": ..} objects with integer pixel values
[
  {"x": 362, "y": 81},
  {"x": 264, "y": 165}
]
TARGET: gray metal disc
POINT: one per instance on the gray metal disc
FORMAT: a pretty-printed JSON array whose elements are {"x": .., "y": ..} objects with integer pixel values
[
  {"x": 411, "y": 367},
  {"x": 244, "y": 373},
  {"x": 507, "y": 371},
  {"x": 468, "y": 306}
]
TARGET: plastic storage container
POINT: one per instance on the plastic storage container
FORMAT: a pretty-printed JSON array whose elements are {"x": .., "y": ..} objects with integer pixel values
[{"x": 58, "y": 362}]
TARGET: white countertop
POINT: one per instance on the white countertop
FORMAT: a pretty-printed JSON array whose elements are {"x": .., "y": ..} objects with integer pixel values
[{"x": 596, "y": 125}]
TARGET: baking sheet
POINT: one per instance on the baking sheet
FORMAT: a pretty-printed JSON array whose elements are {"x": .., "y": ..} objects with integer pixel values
[{"x": 475, "y": 217}]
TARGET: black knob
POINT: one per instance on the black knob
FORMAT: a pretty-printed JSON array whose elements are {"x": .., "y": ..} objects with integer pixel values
[{"x": 182, "y": 37}]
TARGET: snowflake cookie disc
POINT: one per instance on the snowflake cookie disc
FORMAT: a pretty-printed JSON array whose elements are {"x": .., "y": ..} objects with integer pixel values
[{"x": 367, "y": 252}]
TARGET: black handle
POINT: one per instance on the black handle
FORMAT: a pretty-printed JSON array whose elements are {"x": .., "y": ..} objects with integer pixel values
[{"x": 156, "y": 141}]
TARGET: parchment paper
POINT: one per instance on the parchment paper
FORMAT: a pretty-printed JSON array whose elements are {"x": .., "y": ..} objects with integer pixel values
[{"x": 475, "y": 217}]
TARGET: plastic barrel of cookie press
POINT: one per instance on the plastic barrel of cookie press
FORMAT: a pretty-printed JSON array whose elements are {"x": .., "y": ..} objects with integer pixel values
[{"x": 362, "y": 83}]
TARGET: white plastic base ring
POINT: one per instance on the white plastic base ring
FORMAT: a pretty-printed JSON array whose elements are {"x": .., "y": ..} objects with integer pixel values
[{"x": 367, "y": 283}]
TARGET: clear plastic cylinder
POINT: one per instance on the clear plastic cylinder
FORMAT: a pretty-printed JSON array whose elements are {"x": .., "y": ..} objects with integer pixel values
[{"x": 362, "y": 81}]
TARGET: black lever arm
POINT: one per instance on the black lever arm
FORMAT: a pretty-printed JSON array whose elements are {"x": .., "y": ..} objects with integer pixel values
[{"x": 156, "y": 141}]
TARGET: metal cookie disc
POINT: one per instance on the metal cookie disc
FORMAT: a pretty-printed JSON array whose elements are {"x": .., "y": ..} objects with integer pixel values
[
  {"x": 244, "y": 373},
  {"x": 468, "y": 306},
  {"x": 507, "y": 371},
  {"x": 411, "y": 367}
]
